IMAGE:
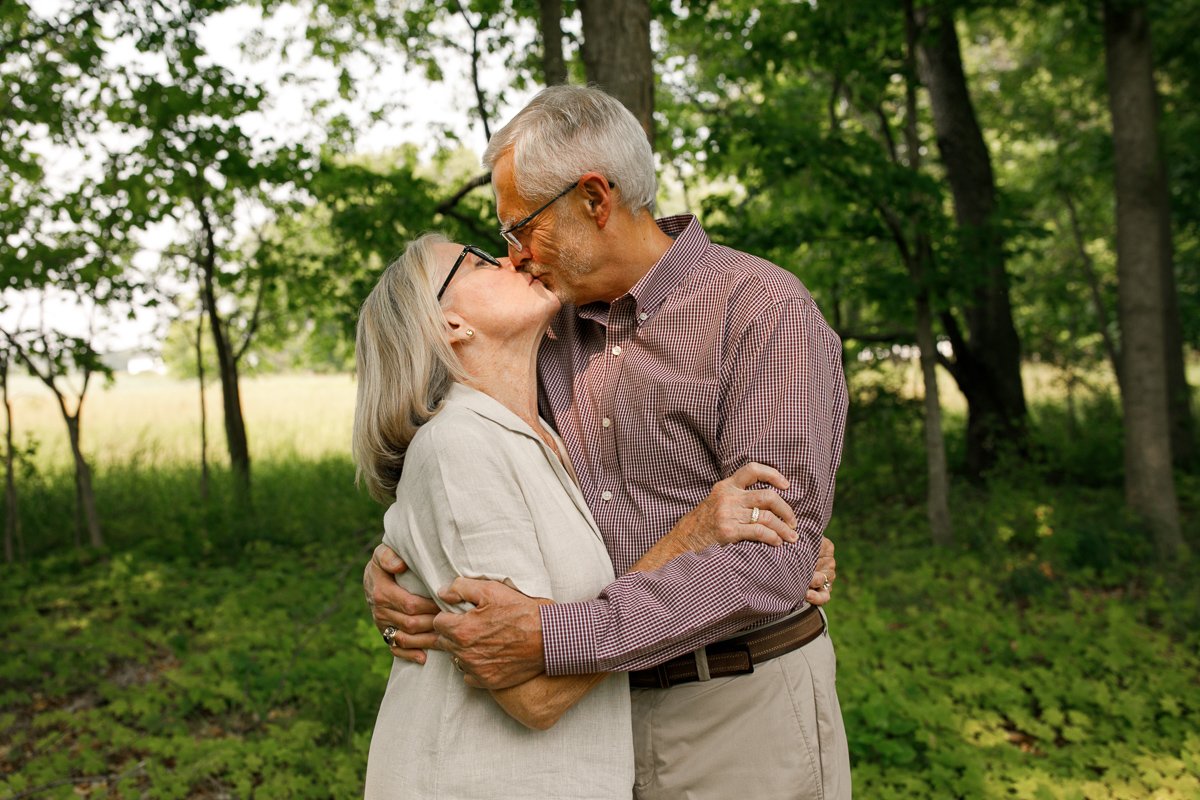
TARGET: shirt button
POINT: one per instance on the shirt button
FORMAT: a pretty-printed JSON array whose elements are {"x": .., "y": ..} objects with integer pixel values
[
  {"x": 616, "y": 351},
  {"x": 606, "y": 422},
  {"x": 643, "y": 317},
  {"x": 606, "y": 496}
]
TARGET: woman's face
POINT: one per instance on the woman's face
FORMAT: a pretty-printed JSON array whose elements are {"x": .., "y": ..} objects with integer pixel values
[{"x": 490, "y": 294}]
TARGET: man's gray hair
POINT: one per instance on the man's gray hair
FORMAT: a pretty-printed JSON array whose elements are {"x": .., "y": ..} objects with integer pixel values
[{"x": 568, "y": 131}]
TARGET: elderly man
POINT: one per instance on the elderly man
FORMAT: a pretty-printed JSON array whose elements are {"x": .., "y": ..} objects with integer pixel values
[{"x": 673, "y": 362}]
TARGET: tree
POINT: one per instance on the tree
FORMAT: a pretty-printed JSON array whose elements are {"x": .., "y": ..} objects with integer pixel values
[
  {"x": 1143, "y": 244},
  {"x": 617, "y": 55},
  {"x": 50, "y": 357},
  {"x": 12, "y": 517},
  {"x": 987, "y": 356}
]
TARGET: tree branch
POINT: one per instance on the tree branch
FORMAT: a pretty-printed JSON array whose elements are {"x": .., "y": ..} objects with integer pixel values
[
  {"x": 480, "y": 97},
  {"x": 882, "y": 337},
  {"x": 446, "y": 205},
  {"x": 252, "y": 328}
]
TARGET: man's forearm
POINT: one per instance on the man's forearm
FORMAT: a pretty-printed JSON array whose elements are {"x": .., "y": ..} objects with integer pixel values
[{"x": 645, "y": 618}]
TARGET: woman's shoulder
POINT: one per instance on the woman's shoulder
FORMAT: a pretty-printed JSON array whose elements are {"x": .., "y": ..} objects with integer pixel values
[{"x": 464, "y": 429}]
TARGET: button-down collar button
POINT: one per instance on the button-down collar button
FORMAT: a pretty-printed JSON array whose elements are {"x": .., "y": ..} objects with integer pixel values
[{"x": 643, "y": 316}]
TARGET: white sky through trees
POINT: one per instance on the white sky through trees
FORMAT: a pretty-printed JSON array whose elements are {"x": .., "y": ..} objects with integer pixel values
[{"x": 418, "y": 112}]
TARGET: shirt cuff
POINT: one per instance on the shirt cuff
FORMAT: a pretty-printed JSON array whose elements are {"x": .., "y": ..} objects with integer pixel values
[{"x": 569, "y": 636}]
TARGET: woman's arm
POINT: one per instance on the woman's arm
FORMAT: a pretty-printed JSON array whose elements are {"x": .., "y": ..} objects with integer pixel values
[{"x": 723, "y": 518}]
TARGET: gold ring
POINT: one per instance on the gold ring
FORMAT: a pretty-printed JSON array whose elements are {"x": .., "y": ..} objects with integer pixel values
[
  {"x": 458, "y": 664},
  {"x": 754, "y": 515}
]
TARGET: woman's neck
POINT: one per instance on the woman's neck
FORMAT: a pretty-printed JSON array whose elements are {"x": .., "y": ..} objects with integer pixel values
[{"x": 506, "y": 374}]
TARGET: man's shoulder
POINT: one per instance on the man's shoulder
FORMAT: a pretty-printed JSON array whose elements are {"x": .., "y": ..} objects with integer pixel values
[{"x": 750, "y": 280}]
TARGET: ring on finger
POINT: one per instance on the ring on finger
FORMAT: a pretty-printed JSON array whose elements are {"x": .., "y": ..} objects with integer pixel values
[
  {"x": 825, "y": 585},
  {"x": 389, "y": 635},
  {"x": 458, "y": 664},
  {"x": 755, "y": 513}
]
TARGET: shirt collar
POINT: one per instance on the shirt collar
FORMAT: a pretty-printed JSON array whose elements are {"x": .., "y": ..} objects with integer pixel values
[
  {"x": 487, "y": 407},
  {"x": 680, "y": 260}
]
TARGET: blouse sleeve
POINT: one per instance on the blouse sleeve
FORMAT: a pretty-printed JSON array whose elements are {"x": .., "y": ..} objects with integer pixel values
[{"x": 460, "y": 511}]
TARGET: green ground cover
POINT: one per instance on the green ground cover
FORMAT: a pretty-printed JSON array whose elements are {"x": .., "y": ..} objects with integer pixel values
[{"x": 219, "y": 653}]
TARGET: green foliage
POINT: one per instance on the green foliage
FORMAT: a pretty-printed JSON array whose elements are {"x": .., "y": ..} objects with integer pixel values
[
  {"x": 212, "y": 651},
  {"x": 218, "y": 654}
]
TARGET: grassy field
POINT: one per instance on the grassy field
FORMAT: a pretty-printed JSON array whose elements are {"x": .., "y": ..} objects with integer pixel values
[
  {"x": 222, "y": 651},
  {"x": 154, "y": 420}
]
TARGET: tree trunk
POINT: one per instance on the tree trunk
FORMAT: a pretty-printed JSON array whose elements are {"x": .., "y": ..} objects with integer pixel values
[
  {"x": 1141, "y": 249},
  {"x": 941, "y": 527},
  {"x": 617, "y": 55},
  {"x": 919, "y": 260},
  {"x": 554, "y": 66},
  {"x": 1179, "y": 394},
  {"x": 12, "y": 518},
  {"x": 989, "y": 361},
  {"x": 203, "y": 407},
  {"x": 84, "y": 493},
  {"x": 235, "y": 425}
]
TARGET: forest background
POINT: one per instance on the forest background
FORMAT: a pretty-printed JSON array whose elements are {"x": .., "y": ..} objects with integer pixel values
[{"x": 996, "y": 205}]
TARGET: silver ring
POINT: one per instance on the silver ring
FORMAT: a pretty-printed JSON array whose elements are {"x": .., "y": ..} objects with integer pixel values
[
  {"x": 389, "y": 635},
  {"x": 754, "y": 515},
  {"x": 458, "y": 664},
  {"x": 825, "y": 586}
]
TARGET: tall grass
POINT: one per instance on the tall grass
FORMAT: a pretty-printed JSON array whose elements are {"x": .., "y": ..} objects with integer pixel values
[{"x": 152, "y": 421}]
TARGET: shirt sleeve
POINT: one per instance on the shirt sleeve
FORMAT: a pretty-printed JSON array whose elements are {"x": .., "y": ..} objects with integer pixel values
[
  {"x": 461, "y": 512},
  {"x": 784, "y": 404}
]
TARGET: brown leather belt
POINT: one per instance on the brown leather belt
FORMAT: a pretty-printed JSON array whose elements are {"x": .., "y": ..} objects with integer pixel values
[{"x": 736, "y": 656}]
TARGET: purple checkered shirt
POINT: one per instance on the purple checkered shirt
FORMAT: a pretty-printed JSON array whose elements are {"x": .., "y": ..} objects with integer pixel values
[{"x": 713, "y": 359}]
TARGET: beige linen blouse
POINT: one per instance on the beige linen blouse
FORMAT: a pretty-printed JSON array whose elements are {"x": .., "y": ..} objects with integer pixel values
[{"x": 482, "y": 496}]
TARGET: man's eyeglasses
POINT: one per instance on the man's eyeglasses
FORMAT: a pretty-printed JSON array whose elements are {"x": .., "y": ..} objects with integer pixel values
[
  {"x": 509, "y": 233},
  {"x": 473, "y": 250}
]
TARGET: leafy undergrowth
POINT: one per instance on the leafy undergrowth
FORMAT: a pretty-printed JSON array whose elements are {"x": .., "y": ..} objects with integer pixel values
[
  {"x": 951, "y": 689},
  {"x": 212, "y": 652}
]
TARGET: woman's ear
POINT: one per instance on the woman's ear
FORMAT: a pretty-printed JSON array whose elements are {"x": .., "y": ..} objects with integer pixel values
[{"x": 458, "y": 328}]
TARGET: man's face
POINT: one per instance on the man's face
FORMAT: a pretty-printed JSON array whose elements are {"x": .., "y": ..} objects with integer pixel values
[{"x": 557, "y": 245}]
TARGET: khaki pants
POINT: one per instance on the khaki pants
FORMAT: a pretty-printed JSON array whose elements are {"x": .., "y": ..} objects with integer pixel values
[{"x": 775, "y": 733}]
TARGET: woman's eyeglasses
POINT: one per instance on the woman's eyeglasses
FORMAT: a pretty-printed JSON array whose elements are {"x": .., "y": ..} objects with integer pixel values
[{"x": 473, "y": 250}]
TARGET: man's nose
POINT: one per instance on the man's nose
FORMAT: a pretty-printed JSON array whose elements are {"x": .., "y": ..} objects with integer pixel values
[{"x": 519, "y": 258}]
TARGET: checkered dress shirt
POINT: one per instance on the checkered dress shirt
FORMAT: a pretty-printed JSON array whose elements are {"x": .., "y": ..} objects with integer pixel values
[{"x": 713, "y": 359}]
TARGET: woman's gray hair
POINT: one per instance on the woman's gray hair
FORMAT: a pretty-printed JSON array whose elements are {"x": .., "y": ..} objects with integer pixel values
[
  {"x": 405, "y": 365},
  {"x": 568, "y": 131}
]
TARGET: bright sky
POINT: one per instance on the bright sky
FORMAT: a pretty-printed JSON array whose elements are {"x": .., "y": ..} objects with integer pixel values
[{"x": 422, "y": 109}]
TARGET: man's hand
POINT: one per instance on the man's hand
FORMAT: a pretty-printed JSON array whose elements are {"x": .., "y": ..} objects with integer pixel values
[
  {"x": 410, "y": 614},
  {"x": 497, "y": 644},
  {"x": 823, "y": 576}
]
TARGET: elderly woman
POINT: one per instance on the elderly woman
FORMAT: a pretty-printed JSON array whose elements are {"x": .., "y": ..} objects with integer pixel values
[{"x": 446, "y": 424}]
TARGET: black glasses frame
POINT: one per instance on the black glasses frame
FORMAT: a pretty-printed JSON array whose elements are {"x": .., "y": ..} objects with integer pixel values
[{"x": 488, "y": 257}]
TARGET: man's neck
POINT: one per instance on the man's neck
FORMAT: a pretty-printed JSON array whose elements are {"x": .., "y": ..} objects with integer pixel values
[{"x": 637, "y": 244}]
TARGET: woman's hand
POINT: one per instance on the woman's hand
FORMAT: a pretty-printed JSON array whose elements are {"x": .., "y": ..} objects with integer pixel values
[{"x": 733, "y": 512}]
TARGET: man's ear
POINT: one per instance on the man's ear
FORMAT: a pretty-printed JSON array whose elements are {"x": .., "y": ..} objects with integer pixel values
[
  {"x": 598, "y": 196},
  {"x": 459, "y": 329}
]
